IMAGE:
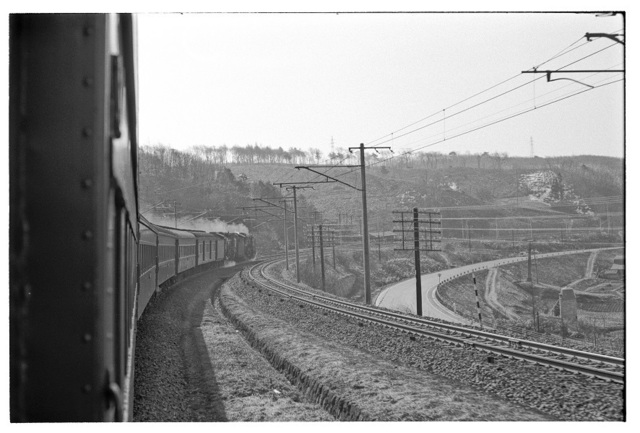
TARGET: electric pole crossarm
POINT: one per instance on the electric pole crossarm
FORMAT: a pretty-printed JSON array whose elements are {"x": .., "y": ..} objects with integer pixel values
[
  {"x": 265, "y": 201},
  {"x": 329, "y": 178},
  {"x": 273, "y": 198},
  {"x": 265, "y": 222},
  {"x": 369, "y": 147},
  {"x": 254, "y": 207},
  {"x": 262, "y": 210},
  {"x": 572, "y": 71},
  {"x": 327, "y": 166},
  {"x": 296, "y": 183},
  {"x": 612, "y": 36}
]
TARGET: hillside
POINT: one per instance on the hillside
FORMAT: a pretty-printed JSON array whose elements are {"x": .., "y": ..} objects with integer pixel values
[
  {"x": 532, "y": 198},
  {"x": 482, "y": 197}
]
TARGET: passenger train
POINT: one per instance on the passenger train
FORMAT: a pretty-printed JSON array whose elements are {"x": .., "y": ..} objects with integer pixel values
[{"x": 84, "y": 263}]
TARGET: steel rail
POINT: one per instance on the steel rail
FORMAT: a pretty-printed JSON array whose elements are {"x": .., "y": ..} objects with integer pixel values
[
  {"x": 321, "y": 301},
  {"x": 593, "y": 357}
]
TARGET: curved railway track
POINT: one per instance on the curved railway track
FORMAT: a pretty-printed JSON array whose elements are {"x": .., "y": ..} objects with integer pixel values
[{"x": 590, "y": 364}]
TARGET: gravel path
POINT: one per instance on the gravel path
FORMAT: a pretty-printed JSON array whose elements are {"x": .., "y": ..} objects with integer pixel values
[{"x": 193, "y": 365}]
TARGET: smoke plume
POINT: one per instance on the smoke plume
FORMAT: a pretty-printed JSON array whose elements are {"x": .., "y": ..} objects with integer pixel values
[{"x": 216, "y": 225}]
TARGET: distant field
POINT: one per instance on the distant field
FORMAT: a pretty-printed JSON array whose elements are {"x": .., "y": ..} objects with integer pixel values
[
  {"x": 600, "y": 302},
  {"x": 555, "y": 271}
]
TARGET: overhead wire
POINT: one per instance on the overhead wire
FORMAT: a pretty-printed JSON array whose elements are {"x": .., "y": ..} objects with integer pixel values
[
  {"x": 449, "y": 107},
  {"x": 490, "y": 124},
  {"x": 393, "y": 136}
]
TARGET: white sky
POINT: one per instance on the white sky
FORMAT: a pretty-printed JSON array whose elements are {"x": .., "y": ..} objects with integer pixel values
[{"x": 301, "y": 79}]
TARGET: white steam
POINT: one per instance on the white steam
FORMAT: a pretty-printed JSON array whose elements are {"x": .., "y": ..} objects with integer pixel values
[{"x": 200, "y": 224}]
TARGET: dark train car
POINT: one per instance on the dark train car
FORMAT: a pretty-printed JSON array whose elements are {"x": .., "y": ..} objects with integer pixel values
[
  {"x": 205, "y": 246},
  {"x": 185, "y": 249},
  {"x": 220, "y": 247},
  {"x": 229, "y": 246},
  {"x": 148, "y": 263},
  {"x": 166, "y": 253},
  {"x": 73, "y": 216},
  {"x": 242, "y": 246},
  {"x": 250, "y": 247},
  {"x": 241, "y": 239}
]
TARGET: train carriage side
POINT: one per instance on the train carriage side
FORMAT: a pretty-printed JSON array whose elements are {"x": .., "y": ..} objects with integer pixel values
[
  {"x": 148, "y": 263},
  {"x": 204, "y": 241},
  {"x": 250, "y": 247},
  {"x": 185, "y": 249},
  {"x": 218, "y": 248},
  {"x": 73, "y": 189},
  {"x": 166, "y": 254}
]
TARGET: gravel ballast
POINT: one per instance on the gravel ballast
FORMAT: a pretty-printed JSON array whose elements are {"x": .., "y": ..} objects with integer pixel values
[
  {"x": 562, "y": 395},
  {"x": 271, "y": 358},
  {"x": 356, "y": 385}
]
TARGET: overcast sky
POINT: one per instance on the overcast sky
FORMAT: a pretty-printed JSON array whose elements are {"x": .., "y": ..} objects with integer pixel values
[{"x": 302, "y": 79}]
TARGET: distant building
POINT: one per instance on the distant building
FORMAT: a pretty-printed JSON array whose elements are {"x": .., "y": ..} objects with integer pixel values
[{"x": 617, "y": 269}]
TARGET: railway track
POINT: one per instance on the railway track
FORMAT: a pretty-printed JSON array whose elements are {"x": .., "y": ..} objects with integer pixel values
[{"x": 570, "y": 360}]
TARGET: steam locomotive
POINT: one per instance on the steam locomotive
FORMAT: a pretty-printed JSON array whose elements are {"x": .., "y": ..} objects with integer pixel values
[{"x": 83, "y": 263}]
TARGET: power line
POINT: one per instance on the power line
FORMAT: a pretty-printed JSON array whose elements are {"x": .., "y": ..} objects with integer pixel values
[{"x": 393, "y": 137}]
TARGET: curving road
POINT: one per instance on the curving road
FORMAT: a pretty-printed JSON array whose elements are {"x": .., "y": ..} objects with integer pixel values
[{"x": 402, "y": 296}]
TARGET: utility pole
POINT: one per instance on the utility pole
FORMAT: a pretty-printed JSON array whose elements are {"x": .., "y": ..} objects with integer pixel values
[
  {"x": 295, "y": 187},
  {"x": 333, "y": 246},
  {"x": 365, "y": 224},
  {"x": 479, "y": 310},
  {"x": 313, "y": 248},
  {"x": 286, "y": 236},
  {"x": 379, "y": 253},
  {"x": 416, "y": 246},
  {"x": 295, "y": 231},
  {"x": 363, "y": 189},
  {"x": 322, "y": 259},
  {"x": 529, "y": 279},
  {"x": 175, "y": 214},
  {"x": 414, "y": 223}
]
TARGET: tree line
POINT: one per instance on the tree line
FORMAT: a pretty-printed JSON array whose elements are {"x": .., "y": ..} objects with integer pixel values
[{"x": 256, "y": 154}]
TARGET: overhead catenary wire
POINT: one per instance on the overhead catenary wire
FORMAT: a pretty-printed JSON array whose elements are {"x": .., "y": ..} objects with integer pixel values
[
  {"x": 490, "y": 124},
  {"x": 394, "y": 137},
  {"x": 439, "y": 111}
]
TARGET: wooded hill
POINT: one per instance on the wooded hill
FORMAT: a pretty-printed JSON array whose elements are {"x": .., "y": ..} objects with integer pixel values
[{"x": 219, "y": 180}]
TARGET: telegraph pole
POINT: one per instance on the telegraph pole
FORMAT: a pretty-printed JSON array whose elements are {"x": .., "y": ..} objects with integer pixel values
[
  {"x": 365, "y": 222},
  {"x": 416, "y": 246},
  {"x": 529, "y": 279},
  {"x": 295, "y": 231},
  {"x": 322, "y": 258},
  {"x": 434, "y": 218},
  {"x": 175, "y": 214},
  {"x": 363, "y": 190},
  {"x": 313, "y": 247},
  {"x": 295, "y": 187},
  {"x": 286, "y": 237},
  {"x": 333, "y": 247},
  {"x": 365, "y": 230}
]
